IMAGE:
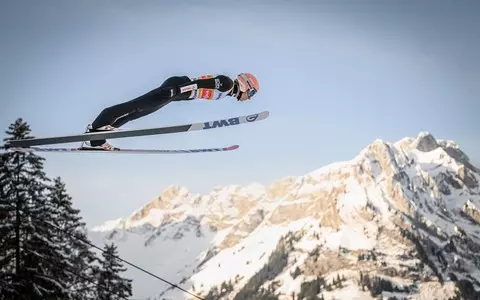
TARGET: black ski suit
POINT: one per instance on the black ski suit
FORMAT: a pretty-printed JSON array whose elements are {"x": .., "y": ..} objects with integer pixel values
[{"x": 176, "y": 88}]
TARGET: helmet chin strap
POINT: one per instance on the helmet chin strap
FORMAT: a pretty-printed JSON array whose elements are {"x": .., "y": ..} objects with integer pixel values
[{"x": 235, "y": 90}]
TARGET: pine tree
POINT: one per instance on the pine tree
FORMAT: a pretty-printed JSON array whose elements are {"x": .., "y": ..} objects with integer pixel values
[
  {"x": 73, "y": 237},
  {"x": 34, "y": 264},
  {"x": 9, "y": 252},
  {"x": 111, "y": 286}
]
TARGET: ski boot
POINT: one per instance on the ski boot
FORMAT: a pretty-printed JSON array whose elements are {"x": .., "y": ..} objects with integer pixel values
[{"x": 102, "y": 145}]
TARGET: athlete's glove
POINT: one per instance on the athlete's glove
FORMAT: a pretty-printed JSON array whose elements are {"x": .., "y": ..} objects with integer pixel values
[
  {"x": 168, "y": 92},
  {"x": 174, "y": 91}
]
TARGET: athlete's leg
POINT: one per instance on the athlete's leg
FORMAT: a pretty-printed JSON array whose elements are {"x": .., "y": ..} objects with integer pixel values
[
  {"x": 137, "y": 113},
  {"x": 141, "y": 112},
  {"x": 111, "y": 114},
  {"x": 120, "y": 114},
  {"x": 139, "y": 107}
]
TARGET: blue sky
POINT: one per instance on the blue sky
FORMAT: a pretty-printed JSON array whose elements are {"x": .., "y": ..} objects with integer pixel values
[{"x": 334, "y": 76}]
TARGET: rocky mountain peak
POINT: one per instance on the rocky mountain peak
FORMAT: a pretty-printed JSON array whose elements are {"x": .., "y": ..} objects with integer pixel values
[
  {"x": 399, "y": 219},
  {"x": 425, "y": 142}
]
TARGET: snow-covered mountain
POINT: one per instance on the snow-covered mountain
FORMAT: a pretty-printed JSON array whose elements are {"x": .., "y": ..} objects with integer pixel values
[{"x": 398, "y": 220}]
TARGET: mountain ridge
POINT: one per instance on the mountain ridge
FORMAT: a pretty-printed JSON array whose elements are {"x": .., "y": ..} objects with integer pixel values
[{"x": 392, "y": 200}]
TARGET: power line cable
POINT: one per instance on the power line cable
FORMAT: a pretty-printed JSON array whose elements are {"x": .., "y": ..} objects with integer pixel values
[
  {"x": 115, "y": 256},
  {"x": 74, "y": 273}
]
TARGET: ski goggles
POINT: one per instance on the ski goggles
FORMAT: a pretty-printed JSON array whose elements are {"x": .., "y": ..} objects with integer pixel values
[{"x": 251, "y": 92}]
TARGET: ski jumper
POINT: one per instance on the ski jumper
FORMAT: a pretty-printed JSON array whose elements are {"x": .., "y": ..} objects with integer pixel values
[{"x": 176, "y": 88}]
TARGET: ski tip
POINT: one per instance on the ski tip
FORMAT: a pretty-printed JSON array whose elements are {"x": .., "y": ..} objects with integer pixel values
[
  {"x": 233, "y": 147},
  {"x": 264, "y": 114}
]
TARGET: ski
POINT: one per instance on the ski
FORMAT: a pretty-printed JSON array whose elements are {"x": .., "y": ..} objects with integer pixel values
[
  {"x": 103, "y": 135},
  {"x": 132, "y": 151}
]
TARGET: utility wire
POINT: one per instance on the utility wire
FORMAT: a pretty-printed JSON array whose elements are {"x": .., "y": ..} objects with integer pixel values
[
  {"x": 117, "y": 257},
  {"x": 76, "y": 274}
]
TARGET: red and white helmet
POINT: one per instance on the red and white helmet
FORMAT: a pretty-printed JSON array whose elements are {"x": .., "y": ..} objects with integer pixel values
[{"x": 248, "y": 84}]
